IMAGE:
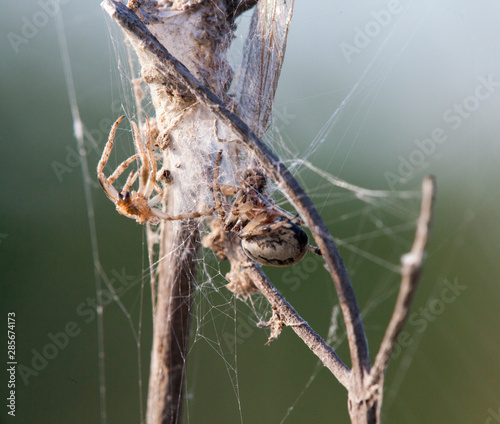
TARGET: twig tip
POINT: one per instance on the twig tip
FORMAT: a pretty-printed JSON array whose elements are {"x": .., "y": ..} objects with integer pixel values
[{"x": 429, "y": 185}]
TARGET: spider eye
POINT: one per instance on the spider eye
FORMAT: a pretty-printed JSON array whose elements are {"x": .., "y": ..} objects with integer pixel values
[
  {"x": 166, "y": 176},
  {"x": 124, "y": 196}
]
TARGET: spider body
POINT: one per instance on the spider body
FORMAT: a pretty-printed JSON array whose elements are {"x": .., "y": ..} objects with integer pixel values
[
  {"x": 134, "y": 205},
  {"x": 269, "y": 234},
  {"x": 284, "y": 246}
]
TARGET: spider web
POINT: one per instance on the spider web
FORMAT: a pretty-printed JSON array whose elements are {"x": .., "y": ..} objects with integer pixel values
[{"x": 365, "y": 222}]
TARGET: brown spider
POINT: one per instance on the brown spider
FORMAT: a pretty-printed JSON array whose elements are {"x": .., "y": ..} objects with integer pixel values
[
  {"x": 269, "y": 235},
  {"x": 137, "y": 204}
]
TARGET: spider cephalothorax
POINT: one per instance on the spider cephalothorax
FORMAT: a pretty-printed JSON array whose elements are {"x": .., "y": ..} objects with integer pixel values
[{"x": 254, "y": 178}]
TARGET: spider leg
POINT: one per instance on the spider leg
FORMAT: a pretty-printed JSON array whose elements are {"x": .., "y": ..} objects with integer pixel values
[
  {"x": 144, "y": 170},
  {"x": 130, "y": 181},
  {"x": 123, "y": 166},
  {"x": 228, "y": 190},
  {"x": 237, "y": 217},
  {"x": 110, "y": 191},
  {"x": 285, "y": 214},
  {"x": 152, "y": 174},
  {"x": 216, "y": 133},
  {"x": 162, "y": 215},
  {"x": 107, "y": 186},
  {"x": 163, "y": 139},
  {"x": 217, "y": 192},
  {"x": 314, "y": 249},
  {"x": 257, "y": 228},
  {"x": 109, "y": 146},
  {"x": 230, "y": 221},
  {"x": 158, "y": 197}
]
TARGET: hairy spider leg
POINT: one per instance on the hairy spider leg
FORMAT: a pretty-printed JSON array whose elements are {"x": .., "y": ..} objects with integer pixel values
[
  {"x": 233, "y": 221},
  {"x": 218, "y": 200},
  {"x": 237, "y": 218},
  {"x": 158, "y": 197},
  {"x": 128, "y": 185},
  {"x": 217, "y": 192},
  {"x": 144, "y": 170},
  {"x": 314, "y": 249},
  {"x": 147, "y": 183},
  {"x": 259, "y": 226},
  {"x": 109, "y": 146},
  {"x": 106, "y": 182},
  {"x": 288, "y": 215},
  {"x": 149, "y": 151},
  {"x": 108, "y": 188},
  {"x": 216, "y": 133},
  {"x": 153, "y": 185},
  {"x": 121, "y": 168},
  {"x": 162, "y": 215},
  {"x": 130, "y": 181}
]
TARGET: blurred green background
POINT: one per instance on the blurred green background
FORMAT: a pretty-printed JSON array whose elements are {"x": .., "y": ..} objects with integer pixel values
[{"x": 425, "y": 69}]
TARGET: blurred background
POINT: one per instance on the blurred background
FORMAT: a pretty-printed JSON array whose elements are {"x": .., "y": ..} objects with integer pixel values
[{"x": 421, "y": 86}]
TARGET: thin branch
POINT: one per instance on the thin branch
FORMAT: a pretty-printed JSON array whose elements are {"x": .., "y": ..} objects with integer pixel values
[
  {"x": 410, "y": 276},
  {"x": 175, "y": 72},
  {"x": 288, "y": 316}
]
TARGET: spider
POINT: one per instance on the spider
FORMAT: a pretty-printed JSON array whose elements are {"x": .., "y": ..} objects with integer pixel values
[
  {"x": 139, "y": 204},
  {"x": 269, "y": 235}
]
